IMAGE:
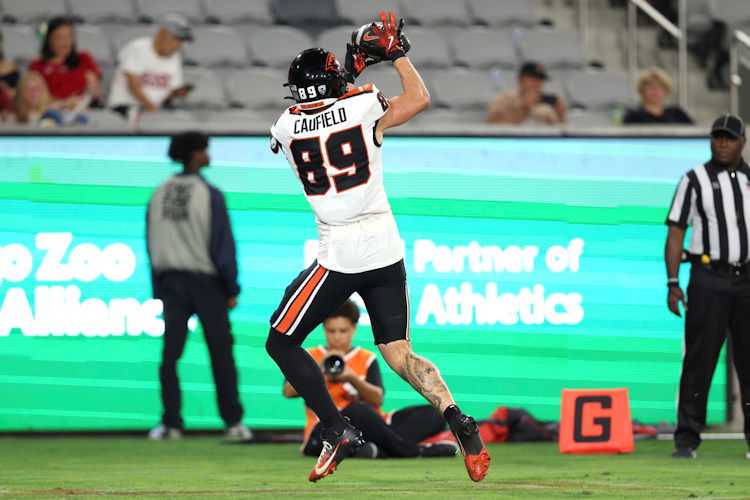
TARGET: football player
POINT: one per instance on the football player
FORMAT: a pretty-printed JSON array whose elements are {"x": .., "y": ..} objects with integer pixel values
[{"x": 332, "y": 139}]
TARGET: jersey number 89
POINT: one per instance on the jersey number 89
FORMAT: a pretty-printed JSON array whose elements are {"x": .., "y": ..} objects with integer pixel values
[{"x": 344, "y": 149}]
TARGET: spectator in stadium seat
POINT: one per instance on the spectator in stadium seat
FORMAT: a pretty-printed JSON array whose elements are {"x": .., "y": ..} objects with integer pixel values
[
  {"x": 9, "y": 76},
  {"x": 528, "y": 104},
  {"x": 358, "y": 391},
  {"x": 72, "y": 76},
  {"x": 33, "y": 105},
  {"x": 149, "y": 70},
  {"x": 654, "y": 86}
]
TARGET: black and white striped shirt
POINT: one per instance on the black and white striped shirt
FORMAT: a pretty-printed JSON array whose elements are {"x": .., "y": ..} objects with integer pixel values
[{"x": 715, "y": 201}]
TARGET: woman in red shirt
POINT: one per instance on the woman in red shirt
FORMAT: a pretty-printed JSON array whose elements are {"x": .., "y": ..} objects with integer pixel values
[{"x": 71, "y": 75}]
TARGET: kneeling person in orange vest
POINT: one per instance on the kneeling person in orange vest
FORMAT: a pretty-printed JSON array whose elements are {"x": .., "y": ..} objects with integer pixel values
[{"x": 354, "y": 381}]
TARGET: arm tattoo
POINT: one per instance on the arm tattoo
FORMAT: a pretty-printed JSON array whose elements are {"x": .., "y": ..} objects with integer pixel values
[{"x": 423, "y": 376}]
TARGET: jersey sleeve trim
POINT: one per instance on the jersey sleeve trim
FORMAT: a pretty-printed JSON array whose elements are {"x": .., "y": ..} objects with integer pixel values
[
  {"x": 364, "y": 89},
  {"x": 375, "y": 134}
]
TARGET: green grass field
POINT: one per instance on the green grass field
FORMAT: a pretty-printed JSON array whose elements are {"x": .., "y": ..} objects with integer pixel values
[{"x": 205, "y": 467}]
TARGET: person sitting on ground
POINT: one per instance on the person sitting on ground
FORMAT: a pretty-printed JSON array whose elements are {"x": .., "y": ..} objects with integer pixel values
[
  {"x": 528, "y": 104},
  {"x": 71, "y": 75},
  {"x": 654, "y": 86},
  {"x": 357, "y": 390},
  {"x": 150, "y": 70}
]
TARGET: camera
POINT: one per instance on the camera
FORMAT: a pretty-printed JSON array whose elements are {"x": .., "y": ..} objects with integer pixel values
[{"x": 333, "y": 365}]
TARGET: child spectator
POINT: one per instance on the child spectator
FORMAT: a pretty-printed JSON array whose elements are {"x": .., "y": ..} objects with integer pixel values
[
  {"x": 654, "y": 86},
  {"x": 33, "y": 104},
  {"x": 71, "y": 75}
]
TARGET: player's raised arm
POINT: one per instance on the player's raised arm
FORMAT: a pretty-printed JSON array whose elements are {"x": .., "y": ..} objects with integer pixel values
[
  {"x": 384, "y": 40},
  {"x": 414, "y": 100}
]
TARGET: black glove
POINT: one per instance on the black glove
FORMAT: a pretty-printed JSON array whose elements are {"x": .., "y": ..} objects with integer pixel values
[
  {"x": 355, "y": 62},
  {"x": 384, "y": 41}
]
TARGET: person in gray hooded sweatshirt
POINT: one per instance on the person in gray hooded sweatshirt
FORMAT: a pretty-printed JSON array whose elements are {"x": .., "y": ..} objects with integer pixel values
[{"x": 194, "y": 271}]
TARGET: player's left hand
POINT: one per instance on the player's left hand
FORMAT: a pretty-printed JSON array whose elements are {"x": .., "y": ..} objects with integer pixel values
[{"x": 356, "y": 61}]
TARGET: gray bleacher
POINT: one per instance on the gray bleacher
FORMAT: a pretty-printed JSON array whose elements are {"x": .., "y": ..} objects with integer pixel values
[
  {"x": 154, "y": 10},
  {"x": 216, "y": 46},
  {"x": 32, "y": 11},
  {"x": 355, "y": 13},
  {"x": 103, "y": 11},
  {"x": 466, "y": 50},
  {"x": 238, "y": 12}
]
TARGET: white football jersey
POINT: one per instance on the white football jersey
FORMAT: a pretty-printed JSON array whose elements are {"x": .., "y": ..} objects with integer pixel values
[{"x": 337, "y": 158}]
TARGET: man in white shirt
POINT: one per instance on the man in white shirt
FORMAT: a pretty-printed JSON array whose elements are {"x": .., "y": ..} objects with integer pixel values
[{"x": 149, "y": 70}]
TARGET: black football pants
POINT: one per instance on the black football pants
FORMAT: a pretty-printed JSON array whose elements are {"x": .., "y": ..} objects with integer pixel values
[
  {"x": 308, "y": 301},
  {"x": 399, "y": 438},
  {"x": 183, "y": 295},
  {"x": 717, "y": 300}
]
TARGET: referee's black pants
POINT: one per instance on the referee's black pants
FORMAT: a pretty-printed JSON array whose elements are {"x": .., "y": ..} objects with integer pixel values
[
  {"x": 717, "y": 300},
  {"x": 185, "y": 294}
]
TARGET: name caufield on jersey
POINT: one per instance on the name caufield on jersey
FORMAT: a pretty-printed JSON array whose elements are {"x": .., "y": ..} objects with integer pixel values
[{"x": 320, "y": 120}]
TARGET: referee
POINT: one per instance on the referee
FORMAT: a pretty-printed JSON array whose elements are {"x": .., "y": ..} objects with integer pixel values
[{"x": 714, "y": 199}]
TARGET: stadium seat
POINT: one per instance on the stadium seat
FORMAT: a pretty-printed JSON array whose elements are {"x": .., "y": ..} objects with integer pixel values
[
  {"x": 358, "y": 12},
  {"x": 239, "y": 120},
  {"x": 585, "y": 118},
  {"x": 20, "y": 43},
  {"x": 276, "y": 46},
  {"x": 698, "y": 19},
  {"x": 239, "y": 11},
  {"x": 732, "y": 12},
  {"x": 598, "y": 90},
  {"x": 33, "y": 11},
  {"x": 208, "y": 90},
  {"x": 92, "y": 39},
  {"x": 103, "y": 11},
  {"x": 106, "y": 119},
  {"x": 436, "y": 12},
  {"x": 154, "y": 10},
  {"x": 258, "y": 88},
  {"x": 484, "y": 48},
  {"x": 317, "y": 14},
  {"x": 216, "y": 46},
  {"x": 335, "y": 40},
  {"x": 447, "y": 116},
  {"x": 168, "y": 122},
  {"x": 463, "y": 89},
  {"x": 385, "y": 79},
  {"x": 429, "y": 48},
  {"x": 502, "y": 12},
  {"x": 554, "y": 49},
  {"x": 125, "y": 34}
]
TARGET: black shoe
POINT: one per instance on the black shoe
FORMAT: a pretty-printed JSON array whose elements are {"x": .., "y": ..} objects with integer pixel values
[
  {"x": 441, "y": 449},
  {"x": 475, "y": 455},
  {"x": 684, "y": 452},
  {"x": 336, "y": 447},
  {"x": 367, "y": 450}
]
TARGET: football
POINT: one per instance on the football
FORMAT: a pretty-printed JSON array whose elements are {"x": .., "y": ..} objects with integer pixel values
[{"x": 366, "y": 31}]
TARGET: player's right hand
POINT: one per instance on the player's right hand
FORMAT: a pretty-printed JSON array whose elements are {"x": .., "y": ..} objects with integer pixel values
[{"x": 674, "y": 297}]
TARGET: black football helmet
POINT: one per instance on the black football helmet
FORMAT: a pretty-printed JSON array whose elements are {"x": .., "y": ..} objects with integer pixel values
[{"x": 316, "y": 78}]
